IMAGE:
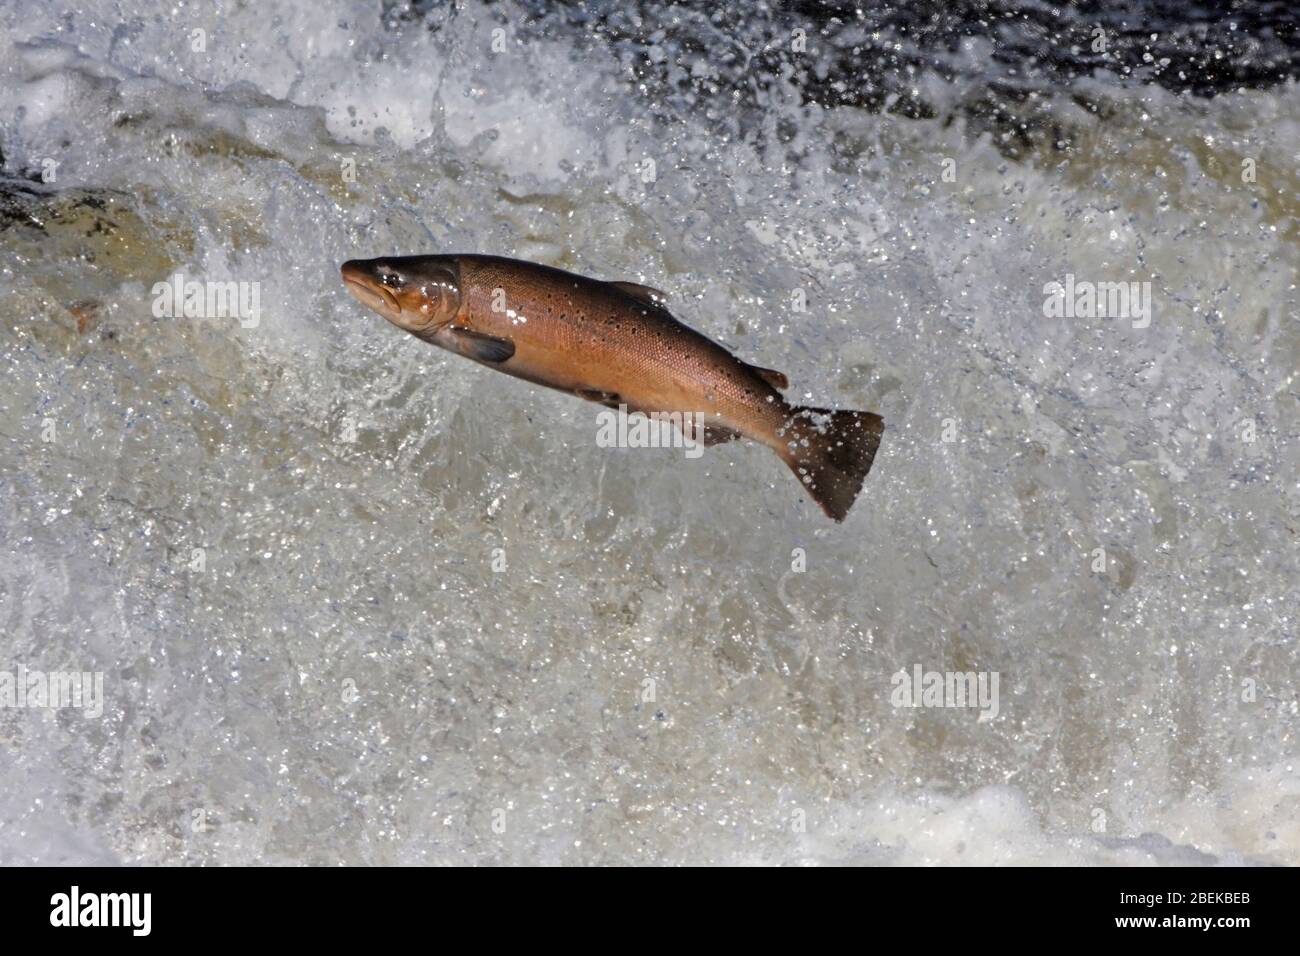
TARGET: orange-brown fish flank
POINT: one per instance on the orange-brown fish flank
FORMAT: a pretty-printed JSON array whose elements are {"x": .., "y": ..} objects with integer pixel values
[{"x": 614, "y": 343}]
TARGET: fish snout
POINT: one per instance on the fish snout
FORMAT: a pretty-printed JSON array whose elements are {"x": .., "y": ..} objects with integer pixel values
[
  {"x": 363, "y": 282},
  {"x": 355, "y": 270}
]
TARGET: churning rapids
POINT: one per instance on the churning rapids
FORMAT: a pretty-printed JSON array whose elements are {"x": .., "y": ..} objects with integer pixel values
[{"x": 354, "y": 600}]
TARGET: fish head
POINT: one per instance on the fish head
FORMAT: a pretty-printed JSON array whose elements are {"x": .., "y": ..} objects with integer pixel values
[{"x": 420, "y": 294}]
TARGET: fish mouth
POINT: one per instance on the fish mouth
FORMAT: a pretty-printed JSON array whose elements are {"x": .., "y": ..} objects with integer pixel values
[{"x": 366, "y": 290}]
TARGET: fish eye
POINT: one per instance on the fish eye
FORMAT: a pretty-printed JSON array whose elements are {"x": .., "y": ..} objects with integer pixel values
[{"x": 390, "y": 280}]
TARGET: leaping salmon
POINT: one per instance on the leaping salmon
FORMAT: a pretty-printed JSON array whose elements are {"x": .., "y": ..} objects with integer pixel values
[{"x": 614, "y": 343}]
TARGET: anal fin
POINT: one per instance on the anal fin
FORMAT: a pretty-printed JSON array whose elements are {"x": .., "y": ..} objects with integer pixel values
[
  {"x": 717, "y": 435},
  {"x": 686, "y": 423}
]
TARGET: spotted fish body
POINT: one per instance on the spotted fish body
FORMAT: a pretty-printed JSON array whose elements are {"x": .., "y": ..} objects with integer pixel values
[{"x": 614, "y": 343}]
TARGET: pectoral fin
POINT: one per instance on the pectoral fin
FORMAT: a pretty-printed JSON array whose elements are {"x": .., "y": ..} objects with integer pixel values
[{"x": 484, "y": 348}]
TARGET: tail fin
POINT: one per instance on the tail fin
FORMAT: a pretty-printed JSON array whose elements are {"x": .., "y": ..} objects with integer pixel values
[{"x": 832, "y": 460}]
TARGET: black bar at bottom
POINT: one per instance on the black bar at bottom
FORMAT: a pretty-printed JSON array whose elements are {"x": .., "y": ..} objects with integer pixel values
[{"x": 335, "y": 906}]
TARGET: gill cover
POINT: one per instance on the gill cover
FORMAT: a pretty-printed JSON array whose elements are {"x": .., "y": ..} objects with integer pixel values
[{"x": 435, "y": 297}]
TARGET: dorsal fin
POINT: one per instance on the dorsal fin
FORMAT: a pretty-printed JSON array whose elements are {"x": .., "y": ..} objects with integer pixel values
[
  {"x": 774, "y": 378},
  {"x": 643, "y": 293}
]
